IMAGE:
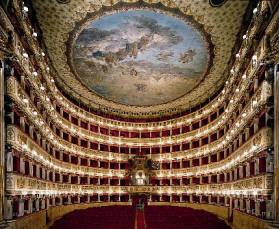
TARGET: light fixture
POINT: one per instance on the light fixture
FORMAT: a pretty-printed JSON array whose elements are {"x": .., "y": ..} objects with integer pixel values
[
  {"x": 25, "y": 100},
  {"x": 35, "y": 113},
  {"x": 25, "y": 55},
  {"x": 244, "y": 76},
  {"x": 52, "y": 80},
  {"x": 244, "y": 36},
  {"x": 227, "y": 82},
  {"x": 34, "y": 34},
  {"x": 34, "y": 73},
  {"x": 237, "y": 90},
  {"x": 25, "y": 9},
  {"x": 43, "y": 54},
  {"x": 237, "y": 55},
  {"x": 255, "y": 10},
  {"x": 232, "y": 71}
]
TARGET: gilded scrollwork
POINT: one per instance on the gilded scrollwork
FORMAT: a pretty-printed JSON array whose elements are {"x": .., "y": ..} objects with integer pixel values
[
  {"x": 7, "y": 44},
  {"x": 262, "y": 140},
  {"x": 186, "y": 8},
  {"x": 191, "y": 152},
  {"x": 18, "y": 184},
  {"x": 260, "y": 182},
  {"x": 10, "y": 134}
]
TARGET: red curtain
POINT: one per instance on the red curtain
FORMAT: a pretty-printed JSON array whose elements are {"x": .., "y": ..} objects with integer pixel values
[
  {"x": 16, "y": 164},
  {"x": 213, "y": 137},
  {"x": 262, "y": 164}
]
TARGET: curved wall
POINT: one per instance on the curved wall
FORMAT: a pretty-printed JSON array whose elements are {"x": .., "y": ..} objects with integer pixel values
[{"x": 217, "y": 157}]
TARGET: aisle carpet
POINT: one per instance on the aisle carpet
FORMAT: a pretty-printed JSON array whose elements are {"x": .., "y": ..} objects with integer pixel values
[{"x": 140, "y": 220}]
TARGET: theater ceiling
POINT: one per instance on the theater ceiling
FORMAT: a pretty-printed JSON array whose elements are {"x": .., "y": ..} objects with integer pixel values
[{"x": 140, "y": 56}]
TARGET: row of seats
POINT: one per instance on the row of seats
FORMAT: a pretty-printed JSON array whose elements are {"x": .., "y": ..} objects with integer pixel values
[
  {"x": 111, "y": 217},
  {"x": 168, "y": 217},
  {"x": 156, "y": 217}
]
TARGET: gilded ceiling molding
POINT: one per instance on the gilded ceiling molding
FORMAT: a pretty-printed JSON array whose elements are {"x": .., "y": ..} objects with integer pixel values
[
  {"x": 124, "y": 7},
  {"x": 223, "y": 28}
]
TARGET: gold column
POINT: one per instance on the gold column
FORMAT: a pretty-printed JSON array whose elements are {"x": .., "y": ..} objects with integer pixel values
[
  {"x": 7, "y": 43},
  {"x": 2, "y": 139},
  {"x": 276, "y": 141}
]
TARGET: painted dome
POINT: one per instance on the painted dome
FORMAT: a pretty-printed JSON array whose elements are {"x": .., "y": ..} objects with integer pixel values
[{"x": 140, "y": 57}]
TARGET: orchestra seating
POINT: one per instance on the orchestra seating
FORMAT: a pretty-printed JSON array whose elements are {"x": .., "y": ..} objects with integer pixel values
[
  {"x": 168, "y": 217},
  {"x": 111, "y": 217}
]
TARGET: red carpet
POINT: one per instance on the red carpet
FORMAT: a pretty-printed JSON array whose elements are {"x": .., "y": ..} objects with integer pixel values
[{"x": 140, "y": 220}]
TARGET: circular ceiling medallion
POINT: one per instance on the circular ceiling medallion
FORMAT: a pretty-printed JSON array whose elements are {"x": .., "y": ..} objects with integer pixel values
[{"x": 140, "y": 57}]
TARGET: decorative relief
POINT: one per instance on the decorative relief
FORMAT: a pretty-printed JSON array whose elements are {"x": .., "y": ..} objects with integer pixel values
[
  {"x": 11, "y": 86},
  {"x": 272, "y": 40},
  {"x": 78, "y": 13},
  {"x": 193, "y": 115},
  {"x": 269, "y": 182},
  {"x": 261, "y": 99},
  {"x": 30, "y": 184},
  {"x": 20, "y": 182},
  {"x": 261, "y": 142},
  {"x": 11, "y": 134},
  {"x": 175, "y": 57},
  {"x": 10, "y": 182},
  {"x": 6, "y": 36}
]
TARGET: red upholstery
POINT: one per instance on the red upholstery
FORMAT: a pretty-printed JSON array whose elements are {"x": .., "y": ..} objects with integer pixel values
[
  {"x": 112, "y": 217},
  {"x": 167, "y": 217}
]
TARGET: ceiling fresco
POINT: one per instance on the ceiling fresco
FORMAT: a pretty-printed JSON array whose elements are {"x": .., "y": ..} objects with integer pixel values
[
  {"x": 140, "y": 57},
  {"x": 216, "y": 28}
]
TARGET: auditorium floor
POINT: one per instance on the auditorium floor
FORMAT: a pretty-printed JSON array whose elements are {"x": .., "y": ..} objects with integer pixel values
[{"x": 127, "y": 217}]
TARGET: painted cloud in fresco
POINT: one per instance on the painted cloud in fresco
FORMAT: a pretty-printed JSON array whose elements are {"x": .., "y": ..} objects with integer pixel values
[{"x": 140, "y": 57}]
